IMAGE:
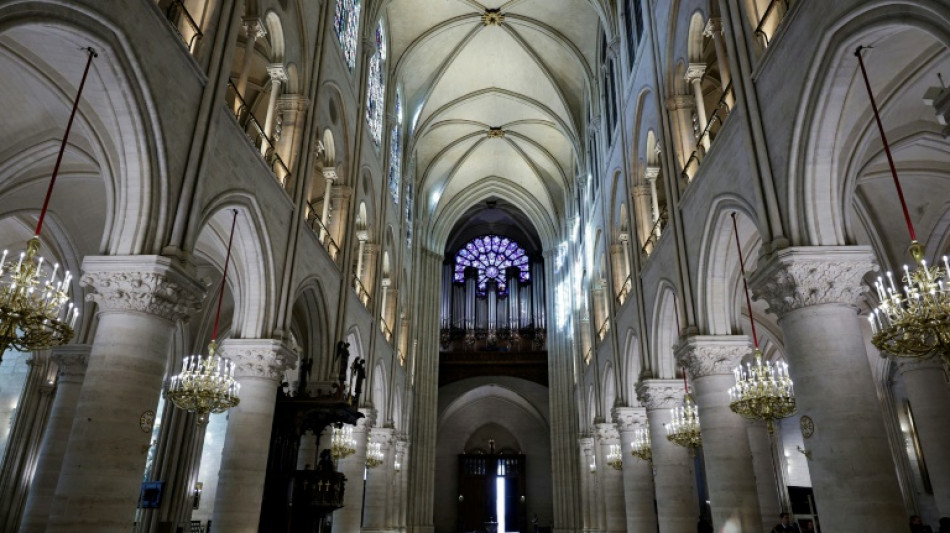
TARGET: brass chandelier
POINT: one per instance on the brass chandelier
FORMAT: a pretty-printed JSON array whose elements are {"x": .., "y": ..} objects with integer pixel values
[
  {"x": 206, "y": 384},
  {"x": 641, "y": 447},
  {"x": 912, "y": 318},
  {"x": 342, "y": 443},
  {"x": 683, "y": 428},
  {"x": 35, "y": 308},
  {"x": 614, "y": 457},
  {"x": 374, "y": 455},
  {"x": 763, "y": 390}
]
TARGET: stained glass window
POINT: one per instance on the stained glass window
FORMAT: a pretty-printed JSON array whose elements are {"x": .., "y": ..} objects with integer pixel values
[
  {"x": 346, "y": 22},
  {"x": 492, "y": 256},
  {"x": 395, "y": 152},
  {"x": 376, "y": 90}
]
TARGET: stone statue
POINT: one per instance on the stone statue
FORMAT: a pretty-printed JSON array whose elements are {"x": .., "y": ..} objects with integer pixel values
[
  {"x": 343, "y": 355},
  {"x": 360, "y": 372},
  {"x": 326, "y": 462}
]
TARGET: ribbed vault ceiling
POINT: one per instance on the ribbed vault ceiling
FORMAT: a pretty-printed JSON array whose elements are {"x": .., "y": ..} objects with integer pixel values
[{"x": 463, "y": 76}]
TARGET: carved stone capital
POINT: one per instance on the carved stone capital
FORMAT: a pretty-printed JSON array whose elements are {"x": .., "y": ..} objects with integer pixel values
[
  {"x": 71, "y": 361},
  {"x": 652, "y": 173},
  {"x": 254, "y": 28},
  {"x": 713, "y": 27},
  {"x": 293, "y": 103},
  {"x": 606, "y": 433},
  {"x": 402, "y": 446},
  {"x": 258, "y": 358},
  {"x": 383, "y": 436},
  {"x": 368, "y": 421},
  {"x": 150, "y": 284},
  {"x": 586, "y": 445},
  {"x": 934, "y": 364},
  {"x": 329, "y": 174},
  {"x": 680, "y": 101},
  {"x": 695, "y": 71},
  {"x": 277, "y": 72},
  {"x": 369, "y": 46},
  {"x": 712, "y": 355},
  {"x": 629, "y": 419},
  {"x": 793, "y": 278},
  {"x": 661, "y": 393}
]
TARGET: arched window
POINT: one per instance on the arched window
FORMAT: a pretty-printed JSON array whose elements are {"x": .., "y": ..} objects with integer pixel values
[
  {"x": 491, "y": 255},
  {"x": 395, "y": 151},
  {"x": 376, "y": 90},
  {"x": 346, "y": 22}
]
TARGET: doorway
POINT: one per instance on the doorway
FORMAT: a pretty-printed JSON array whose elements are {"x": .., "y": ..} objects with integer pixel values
[{"x": 492, "y": 493}]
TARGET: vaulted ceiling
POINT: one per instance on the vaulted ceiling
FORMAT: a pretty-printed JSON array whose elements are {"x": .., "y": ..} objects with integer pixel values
[{"x": 496, "y": 95}]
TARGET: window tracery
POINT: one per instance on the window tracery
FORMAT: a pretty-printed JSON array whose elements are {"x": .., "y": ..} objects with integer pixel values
[{"x": 491, "y": 255}]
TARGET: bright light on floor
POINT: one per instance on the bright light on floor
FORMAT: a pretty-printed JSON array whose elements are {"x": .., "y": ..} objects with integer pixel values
[{"x": 500, "y": 503}]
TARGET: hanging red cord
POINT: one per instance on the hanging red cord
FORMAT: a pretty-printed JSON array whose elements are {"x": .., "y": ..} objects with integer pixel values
[
  {"x": 62, "y": 146},
  {"x": 745, "y": 283},
  {"x": 224, "y": 279},
  {"x": 887, "y": 147}
]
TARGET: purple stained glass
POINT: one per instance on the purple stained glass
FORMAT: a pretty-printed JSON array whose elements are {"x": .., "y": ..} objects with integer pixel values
[{"x": 492, "y": 255}]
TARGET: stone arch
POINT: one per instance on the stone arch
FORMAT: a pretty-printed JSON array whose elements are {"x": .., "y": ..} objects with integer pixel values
[
  {"x": 694, "y": 37},
  {"x": 630, "y": 369},
  {"x": 310, "y": 320},
  {"x": 719, "y": 285},
  {"x": 609, "y": 388},
  {"x": 822, "y": 178},
  {"x": 128, "y": 153},
  {"x": 379, "y": 398},
  {"x": 275, "y": 36},
  {"x": 251, "y": 275},
  {"x": 665, "y": 334}
]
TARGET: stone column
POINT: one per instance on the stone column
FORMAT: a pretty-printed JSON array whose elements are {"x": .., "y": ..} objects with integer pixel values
[
  {"x": 767, "y": 466},
  {"x": 641, "y": 196},
  {"x": 639, "y": 497},
  {"x": 259, "y": 365},
  {"x": 278, "y": 75},
  {"x": 71, "y": 361},
  {"x": 400, "y": 484},
  {"x": 674, "y": 480},
  {"x": 590, "y": 468},
  {"x": 929, "y": 397},
  {"x": 347, "y": 519},
  {"x": 652, "y": 173},
  {"x": 733, "y": 496},
  {"x": 292, "y": 109},
  {"x": 611, "y": 481},
  {"x": 18, "y": 461},
  {"x": 714, "y": 29},
  {"x": 813, "y": 291},
  {"x": 140, "y": 299},
  {"x": 694, "y": 75},
  {"x": 329, "y": 175},
  {"x": 379, "y": 483},
  {"x": 680, "y": 107},
  {"x": 253, "y": 30}
]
